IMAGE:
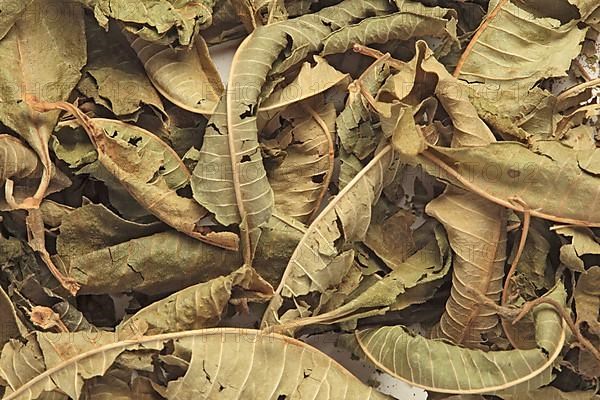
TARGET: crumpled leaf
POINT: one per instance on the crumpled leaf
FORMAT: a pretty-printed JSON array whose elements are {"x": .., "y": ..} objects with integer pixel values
[
  {"x": 477, "y": 234},
  {"x": 397, "y": 290},
  {"x": 21, "y": 166},
  {"x": 149, "y": 170},
  {"x": 355, "y": 124},
  {"x": 168, "y": 261},
  {"x": 250, "y": 351},
  {"x": 21, "y": 363},
  {"x": 446, "y": 368},
  {"x": 324, "y": 256},
  {"x": 170, "y": 70},
  {"x": 311, "y": 80},
  {"x": 168, "y": 22},
  {"x": 412, "y": 20},
  {"x": 586, "y": 299},
  {"x": 537, "y": 47},
  {"x": 233, "y": 154},
  {"x": 113, "y": 76},
  {"x": 93, "y": 226},
  {"x": 476, "y": 227},
  {"x": 304, "y": 153},
  {"x": 583, "y": 242},
  {"x": 523, "y": 115},
  {"x": 391, "y": 239},
  {"x": 533, "y": 265},
  {"x": 48, "y": 38},
  {"x": 198, "y": 306}
]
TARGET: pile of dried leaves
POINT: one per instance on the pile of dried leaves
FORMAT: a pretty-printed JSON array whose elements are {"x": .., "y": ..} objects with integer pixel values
[{"x": 403, "y": 173}]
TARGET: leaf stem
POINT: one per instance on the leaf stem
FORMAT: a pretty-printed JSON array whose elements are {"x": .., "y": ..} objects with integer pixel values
[
  {"x": 513, "y": 268},
  {"x": 505, "y": 203},
  {"x": 577, "y": 89},
  {"x": 583, "y": 341}
]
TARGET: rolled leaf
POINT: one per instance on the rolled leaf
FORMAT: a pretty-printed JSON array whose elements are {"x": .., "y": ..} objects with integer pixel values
[
  {"x": 442, "y": 367},
  {"x": 171, "y": 71}
]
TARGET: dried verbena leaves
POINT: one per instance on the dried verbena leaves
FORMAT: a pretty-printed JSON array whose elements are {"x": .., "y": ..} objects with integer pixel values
[
  {"x": 43, "y": 36},
  {"x": 216, "y": 351},
  {"x": 440, "y": 183}
]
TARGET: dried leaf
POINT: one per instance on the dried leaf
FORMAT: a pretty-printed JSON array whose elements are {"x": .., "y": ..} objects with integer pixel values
[
  {"x": 198, "y": 306},
  {"x": 311, "y": 80},
  {"x": 113, "y": 76},
  {"x": 413, "y": 20},
  {"x": 538, "y": 48},
  {"x": 324, "y": 255},
  {"x": 166, "y": 261},
  {"x": 304, "y": 153},
  {"x": 477, "y": 234},
  {"x": 165, "y": 21},
  {"x": 428, "y": 362},
  {"x": 22, "y": 364},
  {"x": 507, "y": 169},
  {"x": 52, "y": 39},
  {"x": 21, "y": 170},
  {"x": 250, "y": 351},
  {"x": 246, "y": 180},
  {"x": 397, "y": 290},
  {"x": 149, "y": 170},
  {"x": 170, "y": 70}
]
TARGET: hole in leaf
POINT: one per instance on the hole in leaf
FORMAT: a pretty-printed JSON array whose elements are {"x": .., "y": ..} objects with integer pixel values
[
  {"x": 282, "y": 397},
  {"x": 318, "y": 178},
  {"x": 134, "y": 141},
  {"x": 250, "y": 111},
  {"x": 246, "y": 158},
  {"x": 213, "y": 126}
]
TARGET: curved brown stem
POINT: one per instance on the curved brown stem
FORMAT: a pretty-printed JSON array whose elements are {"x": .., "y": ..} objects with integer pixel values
[
  {"x": 513, "y": 268},
  {"x": 502, "y": 202},
  {"x": 583, "y": 341}
]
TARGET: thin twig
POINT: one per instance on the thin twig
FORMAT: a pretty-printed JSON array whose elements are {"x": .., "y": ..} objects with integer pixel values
[
  {"x": 476, "y": 189},
  {"x": 513, "y": 267},
  {"x": 583, "y": 341},
  {"x": 475, "y": 38},
  {"x": 378, "y": 55},
  {"x": 577, "y": 89}
]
